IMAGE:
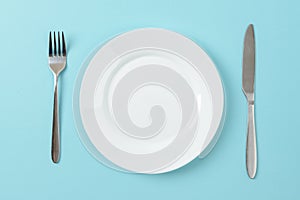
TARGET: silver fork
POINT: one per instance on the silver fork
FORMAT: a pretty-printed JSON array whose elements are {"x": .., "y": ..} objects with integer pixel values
[{"x": 57, "y": 62}]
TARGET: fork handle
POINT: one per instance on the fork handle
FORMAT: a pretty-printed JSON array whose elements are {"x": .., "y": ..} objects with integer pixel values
[
  {"x": 55, "y": 148},
  {"x": 251, "y": 151}
]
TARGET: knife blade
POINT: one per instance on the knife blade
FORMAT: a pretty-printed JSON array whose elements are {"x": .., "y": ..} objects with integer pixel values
[
  {"x": 248, "y": 89},
  {"x": 249, "y": 63}
]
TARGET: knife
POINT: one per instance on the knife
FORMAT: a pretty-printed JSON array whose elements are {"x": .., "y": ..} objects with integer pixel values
[{"x": 248, "y": 89}]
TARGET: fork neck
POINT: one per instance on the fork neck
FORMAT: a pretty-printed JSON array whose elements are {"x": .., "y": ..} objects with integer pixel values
[{"x": 55, "y": 79}]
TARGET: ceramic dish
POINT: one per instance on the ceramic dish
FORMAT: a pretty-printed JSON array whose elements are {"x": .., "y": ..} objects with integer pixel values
[{"x": 148, "y": 101}]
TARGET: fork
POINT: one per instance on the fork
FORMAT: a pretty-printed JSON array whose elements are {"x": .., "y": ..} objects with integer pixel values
[{"x": 57, "y": 61}]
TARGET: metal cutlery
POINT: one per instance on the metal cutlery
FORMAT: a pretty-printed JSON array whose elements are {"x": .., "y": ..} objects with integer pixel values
[
  {"x": 57, "y": 61},
  {"x": 248, "y": 89}
]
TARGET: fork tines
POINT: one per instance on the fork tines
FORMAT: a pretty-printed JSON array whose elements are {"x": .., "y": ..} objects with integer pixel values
[{"x": 54, "y": 51}]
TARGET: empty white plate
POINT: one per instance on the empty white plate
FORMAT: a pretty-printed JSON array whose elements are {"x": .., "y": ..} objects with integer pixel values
[{"x": 148, "y": 101}]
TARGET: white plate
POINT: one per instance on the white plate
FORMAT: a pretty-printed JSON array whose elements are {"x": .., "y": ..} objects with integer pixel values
[{"x": 148, "y": 101}]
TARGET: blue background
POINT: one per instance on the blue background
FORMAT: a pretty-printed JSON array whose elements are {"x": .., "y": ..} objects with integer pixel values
[{"x": 26, "y": 170}]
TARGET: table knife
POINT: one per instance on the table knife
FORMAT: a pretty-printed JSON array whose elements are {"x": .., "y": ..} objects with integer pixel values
[{"x": 248, "y": 89}]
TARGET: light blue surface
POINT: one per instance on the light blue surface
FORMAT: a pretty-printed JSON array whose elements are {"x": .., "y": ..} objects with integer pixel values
[{"x": 26, "y": 84}]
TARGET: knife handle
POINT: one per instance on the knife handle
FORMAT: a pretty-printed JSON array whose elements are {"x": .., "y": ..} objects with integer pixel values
[{"x": 251, "y": 151}]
